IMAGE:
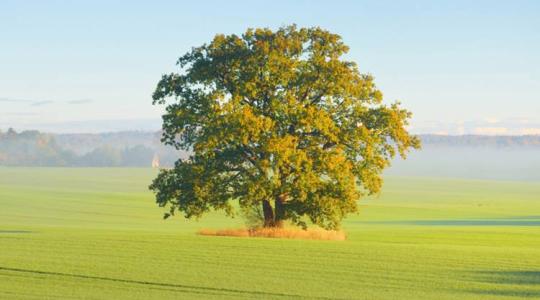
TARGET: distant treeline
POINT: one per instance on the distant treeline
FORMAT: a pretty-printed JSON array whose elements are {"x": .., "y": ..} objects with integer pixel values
[
  {"x": 86, "y": 142},
  {"x": 128, "y": 149},
  {"x": 141, "y": 149}
]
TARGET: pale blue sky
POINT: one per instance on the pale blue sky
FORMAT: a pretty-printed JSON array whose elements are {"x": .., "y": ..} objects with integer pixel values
[{"x": 460, "y": 66}]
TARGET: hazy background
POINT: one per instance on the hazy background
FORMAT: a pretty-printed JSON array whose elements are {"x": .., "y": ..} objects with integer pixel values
[
  {"x": 462, "y": 67},
  {"x": 480, "y": 157},
  {"x": 83, "y": 74}
]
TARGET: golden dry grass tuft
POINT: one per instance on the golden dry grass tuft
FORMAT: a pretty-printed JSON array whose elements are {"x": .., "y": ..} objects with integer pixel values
[{"x": 283, "y": 233}]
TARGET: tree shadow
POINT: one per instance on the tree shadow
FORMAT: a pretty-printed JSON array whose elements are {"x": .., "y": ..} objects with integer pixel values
[
  {"x": 508, "y": 293},
  {"x": 509, "y": 277},
  {"x": 476, "y": 222},
  {"x": 15, "y": 231},
  {"x": 202, "y": 290},
  {"x": 524, "y": 217},
  {"x": 528, "y": 283},
  {"x": 507, "y": 221}
]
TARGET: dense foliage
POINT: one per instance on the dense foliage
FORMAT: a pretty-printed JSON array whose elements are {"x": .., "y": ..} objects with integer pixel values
[{"x": 278, "y": 121}]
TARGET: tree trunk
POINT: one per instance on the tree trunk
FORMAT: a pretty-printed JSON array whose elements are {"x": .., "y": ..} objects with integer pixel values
[
  {"x": 268, "y": 214},
  {"x": 280, "y": 210}
]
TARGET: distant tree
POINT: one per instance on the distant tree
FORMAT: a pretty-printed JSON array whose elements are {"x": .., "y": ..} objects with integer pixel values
[
  {"x": 11, "y": 132},
  {"x": 137, "y": 156},
  {"x": 31, "y": 148},
  {"x": 281, "y": 123},
  {"x": 105, "y": 156}
]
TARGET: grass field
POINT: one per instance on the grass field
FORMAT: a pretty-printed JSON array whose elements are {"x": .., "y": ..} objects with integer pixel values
[{"x": 97, "y": 234}]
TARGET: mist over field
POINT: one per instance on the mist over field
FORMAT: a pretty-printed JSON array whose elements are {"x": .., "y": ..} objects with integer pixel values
[
  {"x": 475, "y": 157},
  {"x": 475, "y": 162}
]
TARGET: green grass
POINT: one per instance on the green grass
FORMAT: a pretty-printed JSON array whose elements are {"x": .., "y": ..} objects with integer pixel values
[{"x": 96, "y": 234}]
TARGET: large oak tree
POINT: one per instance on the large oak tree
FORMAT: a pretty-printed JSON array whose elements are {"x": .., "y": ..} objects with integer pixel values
[{"x": 278, "y": 121}]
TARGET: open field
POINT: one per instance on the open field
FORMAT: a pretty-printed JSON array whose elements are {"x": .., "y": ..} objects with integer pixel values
[{"x": 96, "y": 233}]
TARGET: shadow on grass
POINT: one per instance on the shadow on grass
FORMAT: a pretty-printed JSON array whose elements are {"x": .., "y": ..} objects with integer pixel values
[
  {"x": 508, "y": 221},
  {"x": 15, "y": 231},
  {"x": 510, "y": 277},
  {"x": 167, "y": 286},
  {"x": 528, "y": 283},
  {"x": 508, "y": 293},
  {"x": 476, "y": 222}
]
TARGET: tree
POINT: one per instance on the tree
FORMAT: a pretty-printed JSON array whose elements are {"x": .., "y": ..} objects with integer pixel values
[{"x": 280, "y": 122}]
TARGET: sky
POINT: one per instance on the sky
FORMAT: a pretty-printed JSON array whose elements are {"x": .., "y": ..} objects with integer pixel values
[{"x": 461, "y": 67}]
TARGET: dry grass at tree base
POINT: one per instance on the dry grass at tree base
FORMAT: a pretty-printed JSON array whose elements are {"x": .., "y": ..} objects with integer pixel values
[{"x": 284, "y": 233}]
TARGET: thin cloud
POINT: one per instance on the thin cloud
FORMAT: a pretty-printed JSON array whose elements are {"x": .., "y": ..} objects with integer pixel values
[
  {"x": 41, "y": 103},
  {"x": 80, "y": 101},
  {"x": 18, "y": 114},
  {"x": 491, "y": 120},
  {"x": 44, "y": 102},
  {"x": 530, "y": 131},
  {"x": 491, "y": 130},
  {"x": 5, "y": 99},
  {"x": 26, "y": 101}
]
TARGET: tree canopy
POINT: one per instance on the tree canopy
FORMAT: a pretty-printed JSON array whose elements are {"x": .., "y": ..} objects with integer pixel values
[{"x": 280, "y": 122}]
